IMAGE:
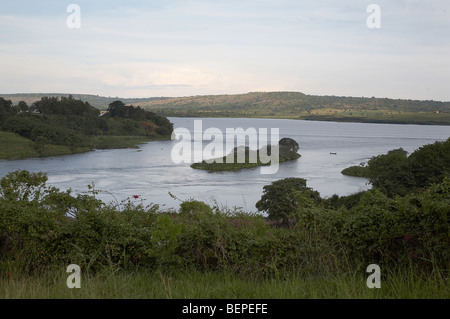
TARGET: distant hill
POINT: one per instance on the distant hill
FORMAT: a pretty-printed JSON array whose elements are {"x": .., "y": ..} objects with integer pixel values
[
  {"x": 296, "y": 105},
  {"x": 290, "y": 105},
  {"x": 100, "y": 102}
]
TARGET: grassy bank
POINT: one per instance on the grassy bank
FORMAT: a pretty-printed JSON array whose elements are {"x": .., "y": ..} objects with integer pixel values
[
  {"x": 194, "y": 284},
  {"x": 14, "y": 146}
]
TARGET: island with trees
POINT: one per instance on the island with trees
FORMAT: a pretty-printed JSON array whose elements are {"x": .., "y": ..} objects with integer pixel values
[{"x": 243, "y": 157}]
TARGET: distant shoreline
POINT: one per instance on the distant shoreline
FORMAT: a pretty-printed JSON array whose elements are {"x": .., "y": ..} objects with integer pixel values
[
  {"x": 337, "y": 120},
  {"x": 278, "y": 105}
]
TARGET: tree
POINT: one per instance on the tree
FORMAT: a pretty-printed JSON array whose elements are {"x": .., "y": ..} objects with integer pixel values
[
  {"x": 391, "y": 174},
  {"x": 23, "y": 106},
  {"x": 290, "y": 144},
  {"x": 117, "y": 109},
  {"x": 281, "y": 199},
  {"x": 430, "y": 163}
]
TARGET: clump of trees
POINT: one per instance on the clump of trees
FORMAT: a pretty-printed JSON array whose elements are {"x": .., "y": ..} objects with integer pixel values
[
  {"x": 162, "y": 125},
  {"x": 242, "y": 157},
  {"x": 396, "y": 173},
  {"x": 67, "y": 121},
  {"x": 282, "y": 199}
]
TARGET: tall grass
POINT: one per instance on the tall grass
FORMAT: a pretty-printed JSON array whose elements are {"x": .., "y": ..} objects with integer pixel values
[{"x": 184, "y": 284}]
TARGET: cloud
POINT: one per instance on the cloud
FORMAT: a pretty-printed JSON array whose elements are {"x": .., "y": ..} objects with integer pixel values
[{"x": 176, "y": 47}]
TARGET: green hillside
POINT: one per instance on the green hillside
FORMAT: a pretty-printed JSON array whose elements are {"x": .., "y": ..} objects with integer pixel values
[
  {"x": 289, "y": 105},
  {"x": 295, "y": 105}
]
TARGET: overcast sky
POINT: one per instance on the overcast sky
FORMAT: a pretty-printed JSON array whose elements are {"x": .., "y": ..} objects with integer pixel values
[{"x": 183, "y": 48}]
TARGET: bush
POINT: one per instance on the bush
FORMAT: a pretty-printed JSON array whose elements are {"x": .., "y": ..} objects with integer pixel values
[
  {"x": 281, "y": 199},
  {"x": 399, "y": 231},
  {"x": 41, "y": 226}
]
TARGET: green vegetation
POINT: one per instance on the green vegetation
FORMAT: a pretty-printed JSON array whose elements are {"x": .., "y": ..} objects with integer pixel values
[
  {"x": 295, "y": 105},
  {"x": 289, "y": 105},
  {"x": 283, "y": 198},
  {"x": 306, "y": 247},
  {"x": 16, "y": 146},
  {"x": 244, "y": 157},
  {"x": 99, "y": 102},
  {"x": 356, "y": 171},
  {"x": 322, "y": 254},
  {"x": 396, "y": 173},
  {"x": 53, "y": 126},
  {"x": 194, "y": 284}
]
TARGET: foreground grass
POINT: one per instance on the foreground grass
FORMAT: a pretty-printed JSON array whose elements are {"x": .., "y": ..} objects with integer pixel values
[{"x": 220, "y": 285}]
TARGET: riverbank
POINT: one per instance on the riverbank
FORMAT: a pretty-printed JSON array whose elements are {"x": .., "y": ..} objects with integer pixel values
[
  {"x": 14, "y": 146},
  {"x": 404, "y": 118}
]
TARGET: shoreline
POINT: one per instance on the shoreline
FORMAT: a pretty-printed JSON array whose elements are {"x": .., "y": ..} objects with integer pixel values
[
  {"x": 23, "y": 148},
  {"x": 337, "y": 120}
]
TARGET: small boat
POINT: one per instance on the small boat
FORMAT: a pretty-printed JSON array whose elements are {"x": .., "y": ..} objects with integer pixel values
[{"x": 333, "y": 153}]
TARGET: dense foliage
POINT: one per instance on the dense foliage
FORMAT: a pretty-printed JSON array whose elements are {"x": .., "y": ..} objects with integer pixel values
[
  {"x": 282, "y": 198},
  {"x": 243, "y": 157},
  {"x": 97, "y": 101},
  {"x": 66, "y": 121},
  {"x": 42, "y": 227},
  {"x": 396, "y": 173}
]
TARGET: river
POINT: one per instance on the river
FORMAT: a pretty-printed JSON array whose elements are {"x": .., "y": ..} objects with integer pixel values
[{"x": 151, "y": 173}]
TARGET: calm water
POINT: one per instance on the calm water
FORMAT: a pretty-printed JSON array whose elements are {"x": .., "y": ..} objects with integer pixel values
[{"x": 151, "y": 173}]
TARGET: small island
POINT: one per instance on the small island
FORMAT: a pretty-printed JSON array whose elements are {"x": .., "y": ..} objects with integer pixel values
[{"x": 287, "y": 149}]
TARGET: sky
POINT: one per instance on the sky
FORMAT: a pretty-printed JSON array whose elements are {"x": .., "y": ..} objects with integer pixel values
[{"x": 178, "y": 48}]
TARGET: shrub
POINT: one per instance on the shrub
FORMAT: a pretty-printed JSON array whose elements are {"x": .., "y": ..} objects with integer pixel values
[
  {"x": 280, "y": 199},
  {"x": 41, "y": 226},
  {"x": 399, "y": 231}
]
